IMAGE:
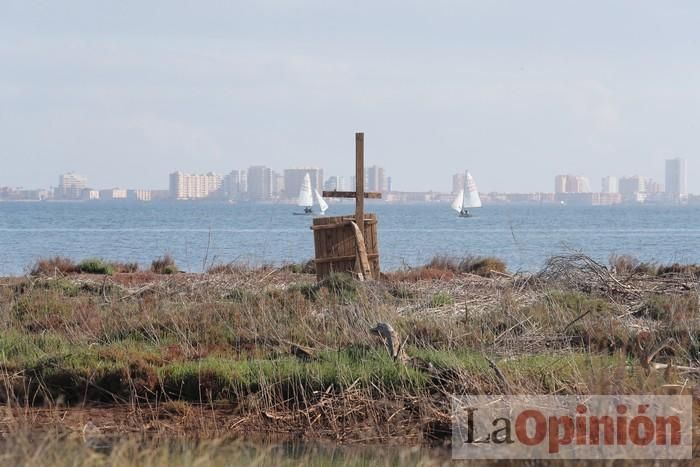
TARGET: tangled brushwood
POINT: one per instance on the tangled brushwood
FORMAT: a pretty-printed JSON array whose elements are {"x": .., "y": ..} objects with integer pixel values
[{"x": 270, "y": 350}]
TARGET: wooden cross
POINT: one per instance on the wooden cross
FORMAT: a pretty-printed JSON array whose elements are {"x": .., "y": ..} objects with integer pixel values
[{"x": 359, "y": 194}]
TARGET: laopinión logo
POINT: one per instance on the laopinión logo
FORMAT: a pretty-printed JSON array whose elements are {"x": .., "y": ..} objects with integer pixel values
[{"x": 572, "y": 427}]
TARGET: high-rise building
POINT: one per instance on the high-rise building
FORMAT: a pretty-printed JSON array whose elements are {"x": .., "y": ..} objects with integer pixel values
[
  {"x": 653, "y": 187},
  {"x": 293, "y": 179},
  {"x": 233, "y": 186},
  {"x": 375, "y": 179},
  {"x": 192, "y": 186},
  {"x": 571, "y": 184},
  {"x": 71, "y": 186},
  {"x": 259, "y": 181},
  {"x": 676, "y": 180},
  {"x": 243, "y": 184},
  {"x": 560, "y": 184},
  {"x": 610, "y": 185},
  {"x": 338, "y": 183},
  {"x": 278, "y": 184},
  {"x": 633, "y": 189}
]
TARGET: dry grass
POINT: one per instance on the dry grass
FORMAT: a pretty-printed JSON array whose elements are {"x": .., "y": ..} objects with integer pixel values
[
  {"x": 444, "y": 268},
  {"x": 480, "y": 266},
  {"x": 242, "y": 268},
  {"x": 54, "y": 266},
  {"x": 170, "y": 348},
  {"x": 629, "y": 265},
  {"x": 69, "y": 450}
]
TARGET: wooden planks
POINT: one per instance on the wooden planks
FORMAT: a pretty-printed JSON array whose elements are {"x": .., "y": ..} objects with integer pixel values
[
  {"x": 360, "y": 180},
  {"x": 349, "y": 243},
  {"x": 351, "y": 194},
  {"x": 361, "y": 251},
  {"x": 337, "y": 248}
]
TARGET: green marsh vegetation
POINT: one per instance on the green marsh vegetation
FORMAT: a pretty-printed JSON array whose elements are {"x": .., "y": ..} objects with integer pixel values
[{"x": 241, "y": 349}]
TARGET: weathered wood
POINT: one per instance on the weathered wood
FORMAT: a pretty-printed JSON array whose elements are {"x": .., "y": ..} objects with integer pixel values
[
  {"x": 351, "y": 194},
  {"x": 349, "y": 243},
  {"x": 344, "y": 258},
  {"x": 337, "y": 247},
  {"x": 360, "y": 180},
  {"x": 335, "y": 226},
  {"x": 361, "y": 251}
]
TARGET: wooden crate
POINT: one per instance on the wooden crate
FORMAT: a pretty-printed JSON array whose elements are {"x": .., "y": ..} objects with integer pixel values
[{"x": 334, "y": 242}]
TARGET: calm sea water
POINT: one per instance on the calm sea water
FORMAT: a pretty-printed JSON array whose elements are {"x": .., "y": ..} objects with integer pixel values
[{"x": 409, "y": 234}]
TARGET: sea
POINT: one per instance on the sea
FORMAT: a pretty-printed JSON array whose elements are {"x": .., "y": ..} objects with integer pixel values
[{"x": 199, "y": 234}]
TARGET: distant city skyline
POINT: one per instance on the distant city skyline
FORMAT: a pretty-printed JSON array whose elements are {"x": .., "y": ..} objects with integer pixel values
[
  {"x": 375, "y": 173},
  {"x": 516, "y": 92},
  {"x": 262, "y": 183}
]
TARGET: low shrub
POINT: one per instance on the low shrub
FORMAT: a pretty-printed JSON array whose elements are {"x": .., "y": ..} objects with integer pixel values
[
  {"x": 308, "y": 267},
  {"x": 308, "y": 291},
  {"x": 443, "y": 263},
  {"x": 55, "y": 265},
  {"x": 627, "y": 264},
  {"x": 96, "y": 266},
  {"x": 681, "y": 269},
  {"x": 485, "y": 267},
  {"x": 479, "y": 265},
  {"x": 340, "y": 285},
  {"x": 441, "y": 299},
  {"x": 164, "y": 265}
]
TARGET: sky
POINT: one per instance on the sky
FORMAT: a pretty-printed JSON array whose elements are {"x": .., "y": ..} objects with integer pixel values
[{"x": 126, "y": 92}]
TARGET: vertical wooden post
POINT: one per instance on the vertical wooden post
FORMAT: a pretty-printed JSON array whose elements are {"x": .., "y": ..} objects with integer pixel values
[{"x": 360, "y": 181}]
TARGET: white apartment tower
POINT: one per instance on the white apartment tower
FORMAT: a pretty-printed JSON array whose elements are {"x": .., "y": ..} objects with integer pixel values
[
  {"x": 192, "y": 186},
  {"x": 71, "y": 185},
  {"x": 610, "y": 185},
  {"x": 677, "y": 180}
]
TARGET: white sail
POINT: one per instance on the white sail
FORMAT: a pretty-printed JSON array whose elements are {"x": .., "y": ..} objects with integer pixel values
[
  {"x": 321, "y": 202},
  {"x": 305, "y": 197},
  {"x": 471, "y": 198},
  {"x": 458, "y": 202}
]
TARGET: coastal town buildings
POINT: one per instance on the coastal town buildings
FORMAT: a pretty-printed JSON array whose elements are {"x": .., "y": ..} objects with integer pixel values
[
  {"x": 113, "y": 194},
  {"x": 610, "y": 184},
  {"x": 676, "y": 180},
  {"x": 338, "y": 183},
  {"x": 571, "y": 184},
  {"x": 375, "y": 179},
  {"x": 185, "y": 186},
  {"x": 259, "y": 183},
  {"x": 70, "y": 186}
]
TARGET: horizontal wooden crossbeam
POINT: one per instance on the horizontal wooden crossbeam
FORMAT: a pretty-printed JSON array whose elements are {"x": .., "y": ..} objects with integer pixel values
[
  {"x": 347, "y": 222},
  {"x": 344, "y": 258},
  {"x": 350, "y": 194}
]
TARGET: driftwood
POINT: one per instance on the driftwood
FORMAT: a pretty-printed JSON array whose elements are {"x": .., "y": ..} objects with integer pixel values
[
  {"x": 581, "y": 272},
  {"x": 391, "y": 340}
]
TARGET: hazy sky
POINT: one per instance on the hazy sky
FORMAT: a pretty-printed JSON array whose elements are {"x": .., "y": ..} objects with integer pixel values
[{"x": 125, "y": 92}]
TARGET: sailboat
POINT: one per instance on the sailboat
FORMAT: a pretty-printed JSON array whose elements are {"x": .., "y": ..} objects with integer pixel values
[
  {"x": 467, "y": 198},
  {"x": 322, "y": 205},
  {"x": 306, "y": 198}
]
